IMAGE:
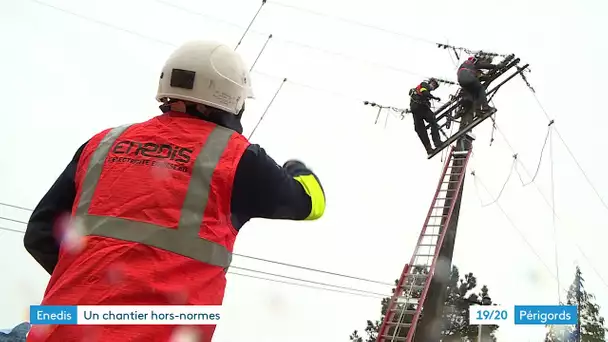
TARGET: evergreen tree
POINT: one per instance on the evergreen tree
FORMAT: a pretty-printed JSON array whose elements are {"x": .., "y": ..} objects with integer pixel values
[
  {"x": 592, "y": 324},
  {"x": 455, "y": 320}
]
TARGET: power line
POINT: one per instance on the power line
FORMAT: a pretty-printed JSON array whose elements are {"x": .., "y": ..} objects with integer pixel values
[
  {"x": 236, "y": 254},
  {"x": 294, "y": 42},
  {"x": 555, "y": 237},
  {"x": 540, "y": 160},
  {"x": 15, "y": 206},
  {"x": 548, "y": 203},
  {"x": 13, "y": 220},
  {"x": 12, "y": 230},
  {"x": 597, "y": 273},
  {"x": 578, "y": 164},
  {"x": 334, "y": 288},
  {"x": 353, "y": 22},
  {"x": 514, "y": 226},
  {"x": 159, "y": 41},
  {"x": 504, "y": 185},
  {"x": 315, "y": 270},
  {"x": 308, "y": 281},
  {"x": 308, "y": 286}
]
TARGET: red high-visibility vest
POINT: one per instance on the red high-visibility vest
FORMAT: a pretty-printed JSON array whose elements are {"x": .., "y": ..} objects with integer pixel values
[{"x": 153, "y": 200}]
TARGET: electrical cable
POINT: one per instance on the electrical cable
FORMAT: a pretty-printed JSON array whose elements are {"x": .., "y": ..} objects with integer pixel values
[
  {"x": 293, "y": 42},
  {"x": 557, "y": 217},
  {"x": 594, "y": 269},
  {"x": 335, "y": 288},
  {"x": 308, "y": 281},
  {"x": 514, "y": 226},
  {"x": 353, "y": 22},
  {"x": 540, "y": 160},
  {"x": 159, "y": 41},
  {"x": 12, "y": 220},
  {"x": 555, "y": 236},
  {"x": 11, "y": 230},
  {"x": 235, "y": 254},
  {"x": 578, "y": 164},
  {"x": 315, "y": 270},
  {"x": 504, "y": 185},
  {"x": 308, "y": 286}
]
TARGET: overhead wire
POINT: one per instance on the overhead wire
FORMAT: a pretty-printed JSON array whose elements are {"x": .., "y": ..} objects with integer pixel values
[
  {"x": 353, "y": 22},
  {"x": 540, "y": 160},
  {"x": 550, "y": 206},
  {"x": 315, "y": 284},
  {"x": 311, "y": 269},
  {"x": 308, "y": 281},
  {"x": 578, "y": 164},
  {"x": 515, "y": 227},
  {"x": 555, "y": 236},
  {"x": 504, "y": 185},
  {"x": 309, "y": 286},
  {"x": 255, "y": 71},
  {"x": 292, "y": 42},
  {"x": 557, "y": 217}
]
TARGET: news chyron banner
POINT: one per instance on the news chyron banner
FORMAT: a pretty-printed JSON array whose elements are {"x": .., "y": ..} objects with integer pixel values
[
  {"x": 523, "y": 315},
  {"x": 125, "y": 315}
]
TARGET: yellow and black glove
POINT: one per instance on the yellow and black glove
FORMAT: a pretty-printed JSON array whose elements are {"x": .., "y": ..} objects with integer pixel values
[{"x": 311, "y": 184}]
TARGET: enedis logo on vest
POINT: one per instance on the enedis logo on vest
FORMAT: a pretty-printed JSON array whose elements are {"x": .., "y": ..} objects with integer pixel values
[{"x": 157, "y": 155}]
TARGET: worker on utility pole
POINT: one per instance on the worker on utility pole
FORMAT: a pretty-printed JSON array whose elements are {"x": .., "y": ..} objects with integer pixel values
[
  {"x": 161, "y": 202},
  {"x": 420, "y": 106},
  {"x": 469, "y": 73}
]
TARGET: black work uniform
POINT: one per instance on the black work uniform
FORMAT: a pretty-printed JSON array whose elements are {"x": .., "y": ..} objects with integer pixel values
[
  {"x": 469, "y": 81},
  {"x": 420, "y": 105}
]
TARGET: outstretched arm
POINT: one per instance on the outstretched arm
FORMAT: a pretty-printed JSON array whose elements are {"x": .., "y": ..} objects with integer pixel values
[
  {"x": 264, "y": 189},
  {"x": 39, "y": 239}
]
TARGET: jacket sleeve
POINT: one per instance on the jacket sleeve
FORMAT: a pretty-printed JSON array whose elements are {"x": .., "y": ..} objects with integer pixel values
[
  {"x": 39, "y": 239},
  {"x": 488, "y": 66},
  {"x": 264, "y": 189}
]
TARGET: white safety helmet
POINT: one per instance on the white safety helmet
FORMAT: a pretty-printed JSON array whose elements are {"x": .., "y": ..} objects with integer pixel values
[{"x": 207, "y": 73}]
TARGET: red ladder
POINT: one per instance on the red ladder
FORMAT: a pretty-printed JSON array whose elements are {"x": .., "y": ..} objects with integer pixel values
[{"x": 405, "y": 306}]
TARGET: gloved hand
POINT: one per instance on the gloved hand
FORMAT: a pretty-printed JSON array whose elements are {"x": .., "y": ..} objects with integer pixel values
[{"x": 295, "y": 167}]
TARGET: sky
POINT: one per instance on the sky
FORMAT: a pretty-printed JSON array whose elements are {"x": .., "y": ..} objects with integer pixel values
[{"x": 72, "y": 68}]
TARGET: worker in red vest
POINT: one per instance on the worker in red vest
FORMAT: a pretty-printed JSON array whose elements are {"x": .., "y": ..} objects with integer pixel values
[{"x": 161, "y": 202}]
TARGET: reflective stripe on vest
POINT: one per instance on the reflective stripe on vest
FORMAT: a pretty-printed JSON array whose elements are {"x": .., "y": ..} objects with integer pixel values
[{"x": 184, "y": 240}]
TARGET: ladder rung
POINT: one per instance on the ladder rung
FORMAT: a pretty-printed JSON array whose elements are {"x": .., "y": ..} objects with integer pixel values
[
  {"x": 419, "y": 265},
  {"x": 440, "y": 207},
  {"x": 432, "y": 234},
  {"x": 444, "y": 198},
  {"x": 393, "y": 339},
  {"x": 438, "y": 216},
  {"x": 427, "y": 245},
  {"x": 460, "y": 153},
  {"x": 405, "y": 312},
  {"x": 412, "y": 286},
  {"x": 400, "y": 324},
  {"x": 424, "y": 255},
  {"x": 418, "y": 275}
]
